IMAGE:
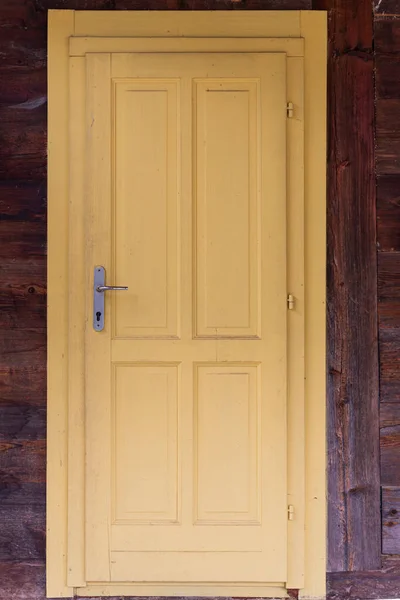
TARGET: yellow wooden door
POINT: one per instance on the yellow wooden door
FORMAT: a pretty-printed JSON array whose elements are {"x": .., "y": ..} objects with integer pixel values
[{"x": 186, "y": 385}]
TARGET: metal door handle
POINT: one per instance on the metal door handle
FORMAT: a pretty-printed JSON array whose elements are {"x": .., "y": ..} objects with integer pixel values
[
  {"x": 110, "y": 288},
  {"x": 99, "y": 287}
]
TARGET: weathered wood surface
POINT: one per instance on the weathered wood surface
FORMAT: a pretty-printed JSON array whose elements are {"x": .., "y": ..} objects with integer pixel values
[
  {"x": 366, "y": 585},
  {"x": 386, "y": 7},
  {"x": 388, "y": 213},
  {"x": 387, "y": 47},
  {"x": 391, "y": 520},
  {"x": 354, "y": 527}
]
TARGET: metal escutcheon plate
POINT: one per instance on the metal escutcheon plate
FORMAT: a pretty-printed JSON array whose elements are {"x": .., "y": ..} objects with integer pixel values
[{"x": 98, "y": 298}]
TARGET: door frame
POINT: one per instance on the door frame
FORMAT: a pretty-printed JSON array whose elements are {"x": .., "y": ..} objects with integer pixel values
[{"x": 71, "y": 35}]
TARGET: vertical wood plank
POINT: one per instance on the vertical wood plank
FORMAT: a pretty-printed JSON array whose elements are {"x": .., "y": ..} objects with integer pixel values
[
  {"x": 61, "y": 27},
  {"x": 354, "y": 528},
  {"x": 97, "y": 345},
  {"x": 314, "y": 30},
  {"x": 76, "y": 338}
]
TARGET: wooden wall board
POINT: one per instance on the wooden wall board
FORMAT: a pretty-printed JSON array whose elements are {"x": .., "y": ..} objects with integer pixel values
[
  {"x": 366, "y": 585},
  {"x": 387, "y": 48},
  {"x": 385, "y": 7},
  {"x": 354, "y": 527},
  {"x": 388, "y": 213},
  {"x": 391, "y": 520}
]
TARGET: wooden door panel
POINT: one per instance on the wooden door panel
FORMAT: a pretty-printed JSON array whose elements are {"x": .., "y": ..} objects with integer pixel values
[
  {"x": 226, "y": 175},
  {"x": 145, "y": 443},
  {"x": 186, "y": 385},
  {"x": 147, "y": 187}
]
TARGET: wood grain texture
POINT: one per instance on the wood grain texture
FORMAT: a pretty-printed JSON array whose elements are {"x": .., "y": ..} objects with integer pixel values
[
  {"x": 368, "y": 585},
  {"x": 22, "y": 581},
  {"x": 390, "y": 414},
  {"x": 213, "y": 4},
  {"x": 353, "y": 437},
  {"x": 384, "y": 7},
  {"x": 387, "y": 136},
  {"x": 389, "y": 351},
  {"x": 388, "y": 213},
  {"x": 387, "y": 73},
  {"x": 390, "y": 455},
  {"x": 23, "y": 385},
  {"x": 388, "y": 307},
  {"x": 391, "y": 520},
  {"x": 387, "y": 35},
  {"x": 23, "y": 533}
]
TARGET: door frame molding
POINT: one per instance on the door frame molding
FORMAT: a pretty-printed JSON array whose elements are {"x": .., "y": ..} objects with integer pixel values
[{"x": 71, "y": 35}]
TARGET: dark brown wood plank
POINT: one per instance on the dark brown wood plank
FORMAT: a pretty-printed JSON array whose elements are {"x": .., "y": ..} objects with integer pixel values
[
  {"x": 23, "y": 385},
  {"x": 388, "y": 213},
  {"x": 22, "y": 533},
  {"x": 387, "y": 75},
  {"x": 391, "y": 7},
  {"x": 387, "y": 35},
  {"x": 389, "y": 276},
  {"x": 21, "y": 348},
  {"x": 389, "y": 351},
  {"x": 388, "y": 308},
  {"x": 22, "y": 422},
  {"x": 354, "y": 528},
  {"x": 22, "y": 239},
  {"x": 244, "y": 4},
  {"x": 213, "y": 4},
  {"x": 370, "y": 585},
  {"x": 23, "y": 581},
  {"x": 387, "y": 136},
  {"x": 390, "y": 455},
  {"x": 391, "y": 520},
  {"x": 24, "y": 460},
  {"x": 389, "y": 415},
  {"x": 23, "y": 201},
  {"x": 23, "y": 150},
  {"x": 23, "y": 293}
]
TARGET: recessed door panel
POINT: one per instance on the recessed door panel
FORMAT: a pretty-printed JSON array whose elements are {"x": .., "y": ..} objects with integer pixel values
[
  {"x": 146, "y": 181},
  {"x": 227, "y": 173}
]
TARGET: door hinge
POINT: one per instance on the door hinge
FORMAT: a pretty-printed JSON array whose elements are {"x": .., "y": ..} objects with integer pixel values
[
  {"x": 290, "y": 512},
  {"x": 290, "y": 110},
  {"x": 290, "y": 302}
]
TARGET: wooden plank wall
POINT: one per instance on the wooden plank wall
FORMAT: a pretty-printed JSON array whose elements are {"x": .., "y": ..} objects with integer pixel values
[
  {"x": 354, "y": 517},
  {"x": 354, "y": 524},
  {"x": 387, "y": 46}
]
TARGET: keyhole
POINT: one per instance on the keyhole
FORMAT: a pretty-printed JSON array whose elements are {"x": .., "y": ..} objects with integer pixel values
[{"x": 98, "y": 316}]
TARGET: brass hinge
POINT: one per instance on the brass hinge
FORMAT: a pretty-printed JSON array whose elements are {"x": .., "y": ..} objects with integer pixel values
[
  {"x": 290, "y": 110},
  {"x": 290, "y": 302},
  {"x": 290, "y": 511}
]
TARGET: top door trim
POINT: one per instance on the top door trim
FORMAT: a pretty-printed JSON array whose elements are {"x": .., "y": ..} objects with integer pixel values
[
  {"x": 80, "y": 46},
  {"x": 263, "y": 24}
]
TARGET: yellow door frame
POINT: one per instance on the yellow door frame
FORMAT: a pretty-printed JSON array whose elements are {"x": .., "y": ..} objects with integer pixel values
[{"x": 299, "y": 34}]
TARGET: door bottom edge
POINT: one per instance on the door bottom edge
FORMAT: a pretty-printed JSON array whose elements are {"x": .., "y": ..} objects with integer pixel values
[{"x": 250, "y": 590}]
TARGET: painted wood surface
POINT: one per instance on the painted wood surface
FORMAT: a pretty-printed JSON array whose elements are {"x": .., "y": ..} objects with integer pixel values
[
  {"x": 23, "y": 275},
  {"x": 353, "y": 443}
]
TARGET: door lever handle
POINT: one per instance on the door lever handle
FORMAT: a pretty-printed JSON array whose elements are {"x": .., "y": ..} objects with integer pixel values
[
  {"x": 99, "y": 287},
  {"x": 111, "y": 288}
]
